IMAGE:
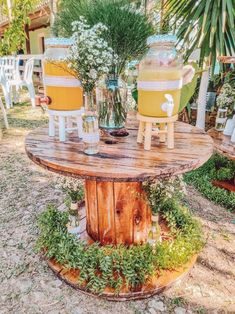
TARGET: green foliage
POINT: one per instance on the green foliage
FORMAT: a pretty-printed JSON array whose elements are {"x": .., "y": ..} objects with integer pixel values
[
  {"x": 189, "y": 89},
  {"x": 115, "y": 266},
  {"x": 127, "y": 29},
  {"x": 208, "y": 25},
  {"x": 14, "y": 35},
  {"x": 73, "y": 187},
  {"x": 217, "y": 168},
  {"x": 161, "y": 191}
]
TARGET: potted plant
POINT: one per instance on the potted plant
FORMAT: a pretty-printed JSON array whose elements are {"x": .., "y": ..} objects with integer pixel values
[{"x": 126, "y": 33}]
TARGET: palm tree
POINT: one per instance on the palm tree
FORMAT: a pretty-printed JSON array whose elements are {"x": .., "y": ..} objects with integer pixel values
[{"x": 209, "y": 26}]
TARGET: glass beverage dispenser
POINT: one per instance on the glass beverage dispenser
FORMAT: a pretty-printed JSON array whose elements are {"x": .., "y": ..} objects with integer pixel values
[
  {"x": 160, "y": 78},
  {"x": 61, "y": 86}
]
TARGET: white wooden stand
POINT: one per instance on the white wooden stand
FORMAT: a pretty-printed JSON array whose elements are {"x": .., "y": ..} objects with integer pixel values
[
  {"x": 65, "y": 120},
  {"x": 165, "y": 130}
]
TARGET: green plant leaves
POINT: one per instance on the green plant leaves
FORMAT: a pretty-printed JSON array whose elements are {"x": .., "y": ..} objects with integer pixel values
[
  {"x": 127, "y": 29},
  {"x": 217, "y": 168},
  {"x": 115, "y": 266}
]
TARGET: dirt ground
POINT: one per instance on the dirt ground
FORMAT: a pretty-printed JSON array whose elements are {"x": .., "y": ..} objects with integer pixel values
[{"x": 28, "y": 286}]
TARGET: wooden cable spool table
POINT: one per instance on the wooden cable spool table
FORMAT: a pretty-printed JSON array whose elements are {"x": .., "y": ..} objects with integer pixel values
[
  {"x": 115, "y": 212},
  {"x": 224, "y": 146}
]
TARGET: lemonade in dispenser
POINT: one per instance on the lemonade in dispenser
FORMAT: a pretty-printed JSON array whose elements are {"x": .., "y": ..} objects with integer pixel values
[
  {"x": 62, "y": 88},
  {"x": 161, "y": 77}
]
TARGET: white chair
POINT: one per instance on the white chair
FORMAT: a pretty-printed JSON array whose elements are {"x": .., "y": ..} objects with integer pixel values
[
  {"x": 65, "y": 120},
  {"x": 4, "y": 114},
  {"x": 5, "y": 88},
  {"x": 11, "y": 66},
  {"x": 26, "y": 81}
]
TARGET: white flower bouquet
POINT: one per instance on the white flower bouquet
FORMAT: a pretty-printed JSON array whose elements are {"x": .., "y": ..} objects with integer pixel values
[
  {"x": 89, "y": 56},
  {"x": 226, "y": 98},
  {"x": 72, "y": 187},
  {"x": 160, "y": 191}
]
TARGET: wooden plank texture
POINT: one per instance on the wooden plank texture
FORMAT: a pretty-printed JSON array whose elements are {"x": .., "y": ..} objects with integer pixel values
[
  {"x": 123, "y": 195},
  {"x": 91, "y": 209},
  {"x": 142, "y": 216},
  {"x": 116, "y": 212},
  {"x": 106, "y": 220}
]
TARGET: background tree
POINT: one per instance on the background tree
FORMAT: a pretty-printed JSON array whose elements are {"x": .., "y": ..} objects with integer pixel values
[{"x": 18, "y": 15}]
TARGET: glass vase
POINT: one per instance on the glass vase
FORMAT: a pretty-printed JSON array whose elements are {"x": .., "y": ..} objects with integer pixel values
[
  {"x": 90, "y": 125},
  {"x": 112, "y": 103}
]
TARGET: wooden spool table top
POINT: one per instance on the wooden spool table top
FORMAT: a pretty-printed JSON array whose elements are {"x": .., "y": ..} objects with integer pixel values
[
  {"x": 222, "y": 144},
  {"x": 124, "y": 161}
]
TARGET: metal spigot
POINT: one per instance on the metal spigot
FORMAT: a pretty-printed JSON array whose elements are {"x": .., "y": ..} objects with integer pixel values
[{"x": 168, "y": 106}]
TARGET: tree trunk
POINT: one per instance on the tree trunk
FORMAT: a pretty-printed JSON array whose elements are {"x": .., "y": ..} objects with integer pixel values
[
  {"x": 27, "y": 43},
  {"x": 9, "y": 8},
  {"x": 201, "y": 108},
  {"x": 53, "y": 11}
]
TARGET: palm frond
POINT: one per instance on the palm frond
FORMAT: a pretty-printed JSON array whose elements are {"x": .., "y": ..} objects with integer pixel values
[{"x": 212, "y": 20}]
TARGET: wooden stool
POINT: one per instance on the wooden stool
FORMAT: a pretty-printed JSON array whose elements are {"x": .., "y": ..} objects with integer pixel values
[
  {"x": 64, "y": 120},
  {"x": 165, "y": 130}
]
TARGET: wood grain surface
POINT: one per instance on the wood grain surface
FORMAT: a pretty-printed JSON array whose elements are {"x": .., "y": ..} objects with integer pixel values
[
  {"x": 124, "y": 161},
  {"x": 117, "y": 212},
  {"x": 223, "y": 144}
]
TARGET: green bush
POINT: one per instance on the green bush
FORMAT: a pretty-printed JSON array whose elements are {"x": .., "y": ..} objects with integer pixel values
[
  {"x": 127, "y": 29},
  {"x": 217, "y": 168}
]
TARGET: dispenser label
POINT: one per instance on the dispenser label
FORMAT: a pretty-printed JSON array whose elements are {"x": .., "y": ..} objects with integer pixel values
[
  {"x": 61, "y": 81},
  {"x": 160, "y": 85}
]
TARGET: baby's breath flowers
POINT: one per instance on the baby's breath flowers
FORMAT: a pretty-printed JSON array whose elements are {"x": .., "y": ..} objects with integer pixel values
[
  {"x": 89, "y": 56},
  {"x": 226, "y": 98},
  {"x": 72, "y": 187},
  {"x": 160, "y": 191}
]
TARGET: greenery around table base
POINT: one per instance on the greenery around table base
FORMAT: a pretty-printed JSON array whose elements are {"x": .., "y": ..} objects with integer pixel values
[
  {"x": 119, "y": 266},
  {"x": 217, "y": 168}
]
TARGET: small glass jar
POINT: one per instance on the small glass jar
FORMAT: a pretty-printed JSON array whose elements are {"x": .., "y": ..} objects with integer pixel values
[
  {"x": 91, "y": 136},
  {"x": 221, "y": 119}
]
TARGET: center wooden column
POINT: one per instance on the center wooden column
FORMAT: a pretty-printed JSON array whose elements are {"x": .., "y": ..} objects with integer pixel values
[{"x": 117, "y": 212}]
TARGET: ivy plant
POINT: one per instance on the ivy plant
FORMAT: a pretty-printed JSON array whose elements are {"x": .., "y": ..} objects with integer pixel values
[{"x": 119, "y": 266}]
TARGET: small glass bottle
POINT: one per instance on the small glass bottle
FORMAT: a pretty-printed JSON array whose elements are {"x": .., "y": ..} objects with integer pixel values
[
  {"x": 154, "y": 233},
  {"x": 91, "y": 135}
]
